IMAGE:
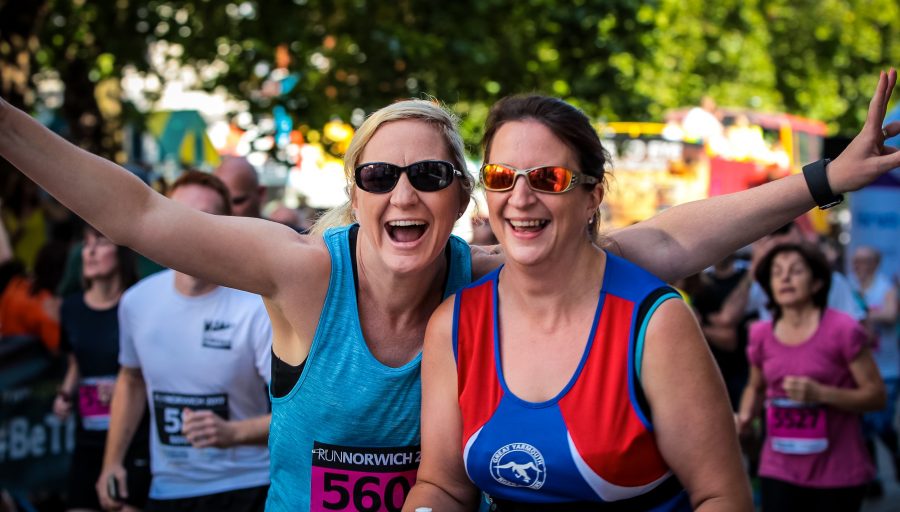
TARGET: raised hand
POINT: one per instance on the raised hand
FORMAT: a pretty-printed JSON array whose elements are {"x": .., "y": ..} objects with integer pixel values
[{"x": 866, "y": 157}]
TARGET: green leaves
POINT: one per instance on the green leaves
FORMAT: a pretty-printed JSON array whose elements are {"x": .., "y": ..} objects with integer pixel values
[{"x": 616, "y": 59}]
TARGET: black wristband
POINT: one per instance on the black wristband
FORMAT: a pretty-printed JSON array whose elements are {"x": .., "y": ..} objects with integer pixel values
[{"x": 817, "y": 181}]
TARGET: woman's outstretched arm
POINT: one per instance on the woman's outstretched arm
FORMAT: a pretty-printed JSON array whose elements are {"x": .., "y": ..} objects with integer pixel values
[
  {"x": 237, "y": 252},
  {"x": 688, "y": 238}
]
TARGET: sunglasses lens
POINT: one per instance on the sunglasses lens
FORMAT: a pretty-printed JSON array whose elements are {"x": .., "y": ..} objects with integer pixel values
[
  {"x": 377, "y": 178},
  {"x": 550, "y": 179},
  {"x": 430, "y": 176},
  {"x": 497, "y": 177}
]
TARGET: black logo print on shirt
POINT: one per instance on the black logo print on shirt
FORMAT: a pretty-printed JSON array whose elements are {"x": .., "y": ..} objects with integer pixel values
[{"x": 217, "y": 334}]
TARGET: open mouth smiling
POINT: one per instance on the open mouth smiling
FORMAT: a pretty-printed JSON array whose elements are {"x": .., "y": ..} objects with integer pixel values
[
  {"x": 405, "y": 231},
  {"x": 529, "y": 225}
]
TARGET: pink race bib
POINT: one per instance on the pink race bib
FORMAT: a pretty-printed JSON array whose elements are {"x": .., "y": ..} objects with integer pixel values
[
  {"x": 362, "y": 479},
  {"x": 796, "y": 428},
  {"x": 94, "y": 397}
]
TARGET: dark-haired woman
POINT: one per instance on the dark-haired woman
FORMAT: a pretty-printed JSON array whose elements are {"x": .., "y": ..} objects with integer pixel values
[
  {"x": 813, "y": 370},
  {"x": 90, "y": 334},
  {"x": 570, "y": 378}
]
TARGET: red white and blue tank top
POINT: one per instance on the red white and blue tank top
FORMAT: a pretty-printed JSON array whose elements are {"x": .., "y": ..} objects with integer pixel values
[{"x": 593, "y": 443}]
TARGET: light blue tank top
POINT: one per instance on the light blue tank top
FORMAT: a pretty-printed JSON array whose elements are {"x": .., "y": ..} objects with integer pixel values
[{"x": 346, "y": 437}]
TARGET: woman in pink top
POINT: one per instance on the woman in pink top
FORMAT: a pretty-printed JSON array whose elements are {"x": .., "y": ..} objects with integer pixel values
[{"x": 814, "y": 368}]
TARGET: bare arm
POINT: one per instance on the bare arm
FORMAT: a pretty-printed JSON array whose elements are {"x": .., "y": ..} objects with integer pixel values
[
  {"x": 751, "y": 401},
  {"x": 887, "y": 313},
  {"x": 70, "y": 381},
  {"x": 735, "y": 305},
  {"x": 691, "y": 412},
  {"x": 252, "y": 430},
  {"x": 125, "y": 412},
  {"x": 441, "y": 482},
  {"x": 687, "y": 238},
  {"x": 246, "y": 252},
  {"x": 206, "y": 428},
  {"x": 868, "y": 395},
  {"x": 723, "y": 337},
  {"x": 62, "y": 405},
  {"x": 6, "y": 251}
]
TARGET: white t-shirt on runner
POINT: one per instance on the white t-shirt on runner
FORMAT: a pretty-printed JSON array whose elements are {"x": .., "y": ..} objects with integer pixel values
[
  {"x": 886, "y": 351},
  {"x": 207, "y": 352}
]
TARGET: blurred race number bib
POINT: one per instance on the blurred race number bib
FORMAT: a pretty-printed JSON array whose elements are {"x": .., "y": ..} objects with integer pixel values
[
  {"x": 168, "y": 408},
  {"x": 796, "y": 428},
  {"x": 94, "y": 396},
  {"x": 362, "y": 479}
]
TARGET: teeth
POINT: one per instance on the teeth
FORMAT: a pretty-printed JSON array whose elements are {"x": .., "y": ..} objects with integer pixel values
[
  {"x": 405, "y": 223},
  {"x": 526, "y": 223}
]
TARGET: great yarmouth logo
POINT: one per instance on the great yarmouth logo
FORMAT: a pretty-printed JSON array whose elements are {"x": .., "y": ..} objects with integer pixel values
[{"x": 519, "y": 465}]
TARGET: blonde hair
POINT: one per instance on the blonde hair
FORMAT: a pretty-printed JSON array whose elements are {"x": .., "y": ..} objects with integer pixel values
[{"x": 421, "y": 110}]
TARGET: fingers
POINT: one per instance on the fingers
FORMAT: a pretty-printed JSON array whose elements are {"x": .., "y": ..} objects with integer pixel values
[
  {"x": 201, "y": 428},
  {"x": 891, "y": 81},
  {"x": 193, "y": 420},
  {"x": 879, "y": 103},
  {"x": 61, "y": 408},
  {"x": 876, "y": 104},
  {"x": 203, "y": 436},
  {"x": 103, "y": 488},
  {"x": 793, "y": 386},
  {"x": 891, "y": 160},
  {"x": 892, "y": 129}
]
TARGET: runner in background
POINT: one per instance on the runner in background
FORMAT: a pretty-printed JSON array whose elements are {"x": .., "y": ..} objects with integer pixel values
[
  {"x": 728, "y": 343},
  {"x": 880, "y": 297},
  {"x": 199, "y": 354},
  {"x": 242, "y": 181},
  {"x": 812, "y": 369},
  {"x": 90, "y": 336}
]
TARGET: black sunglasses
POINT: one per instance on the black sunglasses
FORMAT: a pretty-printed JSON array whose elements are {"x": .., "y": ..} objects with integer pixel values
[{"x": 424, "y": 176}]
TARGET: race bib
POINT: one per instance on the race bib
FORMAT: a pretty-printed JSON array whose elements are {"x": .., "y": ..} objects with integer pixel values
[
  {"x": 167, "y": 410},
  {"x": 796, "y": 428},
  {"x": 94, "y": 396},
  {"x": 362, "y": 479}
]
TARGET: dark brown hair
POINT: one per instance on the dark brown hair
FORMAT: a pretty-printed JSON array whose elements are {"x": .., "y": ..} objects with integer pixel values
[
  {"x": 813, "y": 258},
  {"x": 126, "y": 263},
  {"x": 207, "y": 180}
]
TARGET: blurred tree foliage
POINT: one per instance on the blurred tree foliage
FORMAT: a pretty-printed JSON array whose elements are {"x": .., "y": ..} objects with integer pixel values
[{"x": 616, "y": 59}]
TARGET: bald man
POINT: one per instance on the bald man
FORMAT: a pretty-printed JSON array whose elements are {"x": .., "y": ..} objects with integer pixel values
[{"x": 242, "y": 181}]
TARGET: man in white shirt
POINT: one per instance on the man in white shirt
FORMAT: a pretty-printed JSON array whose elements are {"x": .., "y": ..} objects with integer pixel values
[{"x": 199, "y": 354}]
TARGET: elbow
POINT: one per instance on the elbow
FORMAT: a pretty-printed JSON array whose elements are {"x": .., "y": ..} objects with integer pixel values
[
  {"x": 879, "y": 398},
  {"x": 873, "y": 399},
  {"x": 738, "y": 498}
]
